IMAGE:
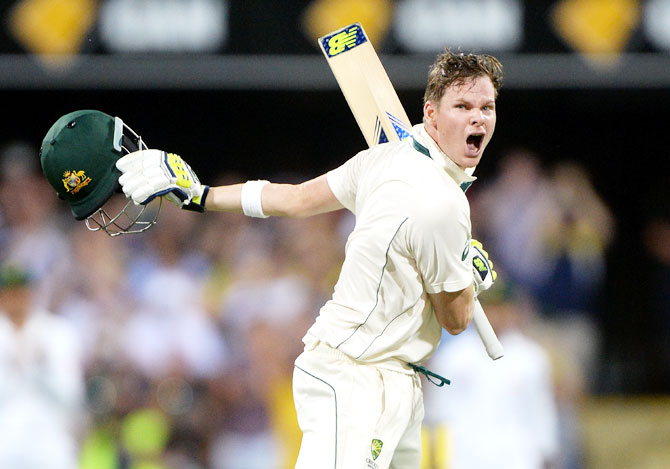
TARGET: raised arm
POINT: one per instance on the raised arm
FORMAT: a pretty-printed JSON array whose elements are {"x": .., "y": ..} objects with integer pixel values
[
  {"x": 149, "y": 174},
  {"x": 291, "y": 200}
]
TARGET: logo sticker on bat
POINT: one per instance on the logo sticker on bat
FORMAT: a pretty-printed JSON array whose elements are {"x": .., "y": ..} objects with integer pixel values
[
  {"x": 399, "y": 126},
  {"x": 343, "y": 40}
]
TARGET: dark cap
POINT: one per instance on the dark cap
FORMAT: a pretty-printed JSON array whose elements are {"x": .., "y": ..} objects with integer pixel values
[
  {"x": 502, "y": 291},
  {"x": 13, "y": 276},
  {"x": 78, "y": 156}
]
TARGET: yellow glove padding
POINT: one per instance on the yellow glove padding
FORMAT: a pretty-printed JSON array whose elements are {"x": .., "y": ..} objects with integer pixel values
[
  {"x": 482, "y": 267},
  {"x": 148, "y": 174}
]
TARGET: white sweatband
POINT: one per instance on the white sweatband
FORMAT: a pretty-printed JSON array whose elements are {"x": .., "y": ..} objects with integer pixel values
[{"x": 251, "y": 198}]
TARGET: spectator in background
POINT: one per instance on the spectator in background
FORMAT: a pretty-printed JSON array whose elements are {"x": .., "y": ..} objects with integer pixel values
[
  {"x": 551, "y": 233},
  {"x": 30, "y": 234},
  {"x": 549, "y": 230},
  {"x": 170, "y": 339},
  {"x": 41, "y": 381},
  {"x": 264, "y": 313},
  {"x": 229, "y": 243},
  {"x": 320, "y": 234},
  {"x": 158, "y": 348},
  {"x": 94, "y": 295},
  {"x": 168, "y": 330},
  {"x": 500, "y": 414},
  {"x": 510, "y": 213},
  {"x": 578, "y": 233}
]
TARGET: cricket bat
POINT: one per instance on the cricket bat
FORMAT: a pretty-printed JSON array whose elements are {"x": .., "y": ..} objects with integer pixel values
[{"x": 380, "y": 115}]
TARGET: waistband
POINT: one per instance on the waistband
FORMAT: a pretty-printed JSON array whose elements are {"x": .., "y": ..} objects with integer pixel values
[{"x": 312, "y": 343}]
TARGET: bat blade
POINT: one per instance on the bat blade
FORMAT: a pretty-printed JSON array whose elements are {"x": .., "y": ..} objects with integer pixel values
[
  {"x": 365, "y": 85},
  {"x": 381, "y": 116}
]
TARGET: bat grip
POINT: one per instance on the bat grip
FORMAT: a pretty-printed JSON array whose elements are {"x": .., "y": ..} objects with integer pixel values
[{"x": 486, "y": 333}]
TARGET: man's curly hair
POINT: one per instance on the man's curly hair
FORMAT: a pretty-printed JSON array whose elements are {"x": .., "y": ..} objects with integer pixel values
[{"x": 451, "y": 68}]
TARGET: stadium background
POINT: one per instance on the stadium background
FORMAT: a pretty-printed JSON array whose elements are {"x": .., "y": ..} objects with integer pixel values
[{"x": 586, "y": 80}]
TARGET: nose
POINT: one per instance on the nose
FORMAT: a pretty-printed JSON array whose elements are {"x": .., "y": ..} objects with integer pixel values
[{"x": 477, "y": 117}]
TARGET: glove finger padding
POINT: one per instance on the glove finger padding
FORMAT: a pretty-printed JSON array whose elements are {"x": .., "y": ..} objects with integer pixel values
[
  {"x": 148, "y": 174},
  {"x": 482, "y": 267},
  {"x": 140, "y": 186},
  {"x": 137, "y": 168},
  {"x": 130, "y": 161}
]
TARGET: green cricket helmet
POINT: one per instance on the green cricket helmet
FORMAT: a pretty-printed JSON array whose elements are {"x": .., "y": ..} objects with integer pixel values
[{"x": 78, "y": 156}]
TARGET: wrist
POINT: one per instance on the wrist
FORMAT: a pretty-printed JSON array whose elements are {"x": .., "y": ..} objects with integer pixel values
[
  {"x": 197, "y": 204},
  {"x": 251, "y": 198}
]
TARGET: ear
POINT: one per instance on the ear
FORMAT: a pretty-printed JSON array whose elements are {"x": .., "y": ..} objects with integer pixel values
[{"x": 430, "y": 111}]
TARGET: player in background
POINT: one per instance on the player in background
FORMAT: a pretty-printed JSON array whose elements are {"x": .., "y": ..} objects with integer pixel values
[
  {"x": 409, "y": 267},
  {"x": 42, "y": 395},
  {"x": 509, "y": 407}
]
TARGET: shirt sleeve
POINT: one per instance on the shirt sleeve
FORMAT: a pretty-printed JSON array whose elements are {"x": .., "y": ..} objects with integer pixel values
[
  {"x": 343, "y": 181},
  {"x": 440, "y": 240}
]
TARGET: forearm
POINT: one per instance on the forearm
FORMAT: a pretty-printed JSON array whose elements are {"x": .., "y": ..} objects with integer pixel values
[
  {"x": 224, "y": 199},
  {"x": 276, "y": 199},
  {"x": 290, "y": 200},
  {"x": 454, "y": 310}
]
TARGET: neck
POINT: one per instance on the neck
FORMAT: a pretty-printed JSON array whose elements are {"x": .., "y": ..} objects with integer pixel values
[{"x": 462, "y": 177}]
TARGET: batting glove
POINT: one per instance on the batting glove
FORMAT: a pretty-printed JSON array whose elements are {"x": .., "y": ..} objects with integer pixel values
[
  {"x": 482, "y": 267},
  {"x": 148, "y": 174}
]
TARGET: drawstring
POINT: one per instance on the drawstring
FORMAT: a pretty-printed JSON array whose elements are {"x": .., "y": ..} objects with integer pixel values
[{"x": 434, "y": 378}]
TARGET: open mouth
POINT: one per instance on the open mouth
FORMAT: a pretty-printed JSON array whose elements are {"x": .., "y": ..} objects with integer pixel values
[{"x": 474, "y": 142}]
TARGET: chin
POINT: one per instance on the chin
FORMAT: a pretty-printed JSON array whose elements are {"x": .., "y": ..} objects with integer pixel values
[{"x": 469, "y": 162}]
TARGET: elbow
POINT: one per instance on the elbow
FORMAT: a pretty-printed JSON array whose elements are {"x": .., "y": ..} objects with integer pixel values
[
  {"x": 454, "y": 310},
  {"x": 456, "y": 328},
  {"x": 457, "y": 321}
]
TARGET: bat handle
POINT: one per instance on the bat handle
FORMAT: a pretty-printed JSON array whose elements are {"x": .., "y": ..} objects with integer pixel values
[{"x": 486, "y": 333}]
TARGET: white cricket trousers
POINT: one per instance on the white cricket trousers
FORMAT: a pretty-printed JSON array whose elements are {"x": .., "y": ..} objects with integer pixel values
[{"x": 355, "y": 415}]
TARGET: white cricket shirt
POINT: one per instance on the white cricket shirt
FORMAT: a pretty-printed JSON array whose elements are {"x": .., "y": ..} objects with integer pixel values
[{"x": 411, "y": 238}]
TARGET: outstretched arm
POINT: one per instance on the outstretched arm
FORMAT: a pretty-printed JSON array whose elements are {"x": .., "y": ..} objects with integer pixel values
[
  {"x": 148, "y": 174},
  {"x": 292, "y": 200}
]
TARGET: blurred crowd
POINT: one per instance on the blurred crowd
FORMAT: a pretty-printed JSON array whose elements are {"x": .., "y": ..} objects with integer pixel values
[{"x": 174, "y": 348}]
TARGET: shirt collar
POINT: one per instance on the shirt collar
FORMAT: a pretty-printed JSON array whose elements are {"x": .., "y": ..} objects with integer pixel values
[{"x": 425, "y": 144}]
